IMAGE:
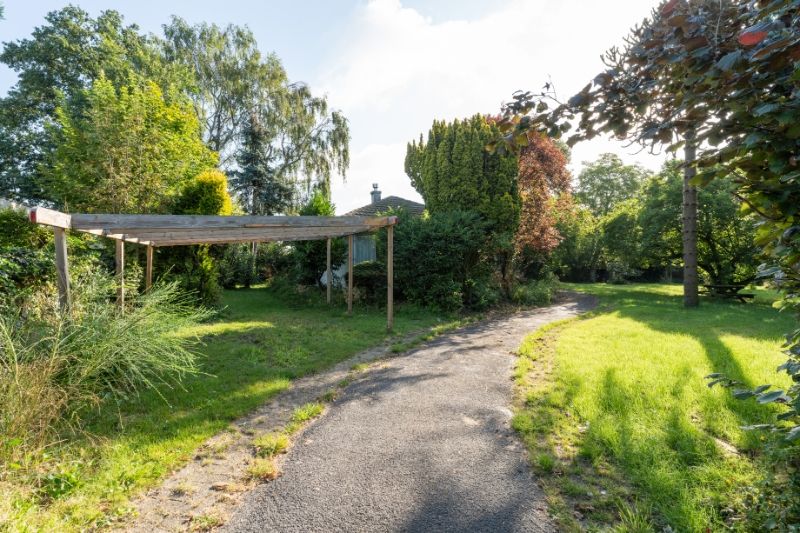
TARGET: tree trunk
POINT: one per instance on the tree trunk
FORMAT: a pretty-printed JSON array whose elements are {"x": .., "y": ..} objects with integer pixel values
[{"x": 690, "y": 288}]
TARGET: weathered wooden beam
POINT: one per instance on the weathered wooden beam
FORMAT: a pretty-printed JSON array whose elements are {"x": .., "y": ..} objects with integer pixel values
[
  {"x": 328, "y": 270},
  {"x": 238, "y": 238},
  {"x": 201, "y": 235},
  {"x": 129, "y": 223},
  {"x": 62, "y": 267},
  {"x": 148, "y": 272},
  {"x": 390, "y": 278},
  {"x": 120, "y": 270},
  {"x": 49, "y": 217},
  {"x": 349, "y": 274}
]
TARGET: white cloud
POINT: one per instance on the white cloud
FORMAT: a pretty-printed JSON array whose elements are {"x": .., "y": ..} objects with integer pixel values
[{"x": 397, "y": 70}]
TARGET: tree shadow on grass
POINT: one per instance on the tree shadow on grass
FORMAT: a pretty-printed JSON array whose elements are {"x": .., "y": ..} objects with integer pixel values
[
  {"x": 707, "y": 325},
  {"x": 672, "y": 456}
]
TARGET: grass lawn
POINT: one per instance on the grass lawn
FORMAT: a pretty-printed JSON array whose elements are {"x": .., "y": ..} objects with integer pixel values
[
  {"x": 618, "y": 418},
  {"x": 250, "y": 353}
]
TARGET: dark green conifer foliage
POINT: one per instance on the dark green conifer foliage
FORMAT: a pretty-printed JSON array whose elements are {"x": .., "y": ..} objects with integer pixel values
[{"x": 453, "y": 172}]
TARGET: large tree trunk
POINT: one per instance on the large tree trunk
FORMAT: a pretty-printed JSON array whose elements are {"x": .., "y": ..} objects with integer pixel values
[{"x": 690, "y": 288}]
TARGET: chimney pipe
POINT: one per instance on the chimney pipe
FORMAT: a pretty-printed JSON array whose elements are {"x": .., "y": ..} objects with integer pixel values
[{"x": 376, "y": 194}]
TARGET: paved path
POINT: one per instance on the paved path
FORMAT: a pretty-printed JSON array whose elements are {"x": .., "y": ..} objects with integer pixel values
[{"x": 423, "y": 443}]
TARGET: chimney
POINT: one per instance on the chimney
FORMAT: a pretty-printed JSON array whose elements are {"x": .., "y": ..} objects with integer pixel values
[{"x": 376, "y": 194}]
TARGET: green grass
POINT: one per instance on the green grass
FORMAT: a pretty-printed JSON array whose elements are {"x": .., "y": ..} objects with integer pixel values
[
  {"x": 625, "y": 409},
  {"x": 260, "y": 343},
  {"x": 271, "y": 444}
]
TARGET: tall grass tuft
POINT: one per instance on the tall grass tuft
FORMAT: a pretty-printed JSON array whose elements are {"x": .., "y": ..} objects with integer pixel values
[{"x": 53, "y": 365}]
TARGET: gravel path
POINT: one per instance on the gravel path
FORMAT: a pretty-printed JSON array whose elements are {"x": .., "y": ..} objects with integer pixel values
[{"x": 423, "y": 443}]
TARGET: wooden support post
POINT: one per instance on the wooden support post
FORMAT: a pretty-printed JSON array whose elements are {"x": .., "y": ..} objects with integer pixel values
[
  {"x": 62, "y": 268},
  {"x": 330, "y": 277},
  {"x": 148, "y": 273},
  {"x": 390, "y": 278},
  {"x": 120, "y": 267},
  {"x": 349, "y": 274}
]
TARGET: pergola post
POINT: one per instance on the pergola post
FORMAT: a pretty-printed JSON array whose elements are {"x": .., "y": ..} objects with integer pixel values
[
  {"x": 350, "y": 274},
  {"x": 120, "y": 270},
  {"x": 390, "y": 278},
  {"x": 62, "y": 267},
  {"x": 328, "y": 271},
  {"x": 148, "y": 272}
]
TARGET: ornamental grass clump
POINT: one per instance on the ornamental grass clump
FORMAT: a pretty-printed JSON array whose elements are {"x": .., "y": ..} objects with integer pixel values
[{"x": 53, "y": 365}]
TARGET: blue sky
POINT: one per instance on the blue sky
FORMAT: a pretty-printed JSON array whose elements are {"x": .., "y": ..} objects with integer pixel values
[{"x": 393, "y": 66}]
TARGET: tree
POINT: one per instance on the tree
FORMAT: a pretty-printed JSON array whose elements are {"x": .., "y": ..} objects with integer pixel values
[
  {"x": 543, "y": 182},
  {"x": 55, "y": 65},
  {"x": 579, "y": 254},
  {"x": 290, "y": 148},
  {"x": 621, "y": 235},
  {"x": 123, "y": 151},
  {"x": 604, "y": 183},
  {"x": 230, "y": 76},
  {"x": 726, "y": 252},
  {"x": 259, "y": 188},
  {"x": 240, "y": 94},
  {"x": 452, "y": 172}
]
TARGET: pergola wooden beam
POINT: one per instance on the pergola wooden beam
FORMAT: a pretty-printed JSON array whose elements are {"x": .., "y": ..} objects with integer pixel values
[
  {"x": 127, "y": 223},
  {"x": 180, "y": 230}
]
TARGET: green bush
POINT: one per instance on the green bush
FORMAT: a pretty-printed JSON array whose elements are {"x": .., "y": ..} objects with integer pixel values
[
  {"x": 195, "y": 267},
  {"x": 205, "y": 194},
  {"x": 310, "y": 257},
  {"x": 369, "y": 278},
  {"x": 54, "y": 364},
  {"x": 23, "y": 270},
  {"x": 237, "y": 266},
  {"x": 536, "y": 292},
  {"x": 774, "y": 503},
  {"x": 16, "y": 231},
  {"x": 441, "y": 260}
]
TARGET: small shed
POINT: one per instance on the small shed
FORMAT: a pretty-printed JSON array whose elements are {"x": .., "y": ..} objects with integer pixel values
[{"x": 178, "y": 230}]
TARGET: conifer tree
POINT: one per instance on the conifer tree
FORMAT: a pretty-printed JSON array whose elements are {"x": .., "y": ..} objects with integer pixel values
[{"x": 261, "y": 190}]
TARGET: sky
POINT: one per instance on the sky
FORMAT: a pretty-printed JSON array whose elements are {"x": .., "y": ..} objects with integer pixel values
[{"x": 393, "y": 66}]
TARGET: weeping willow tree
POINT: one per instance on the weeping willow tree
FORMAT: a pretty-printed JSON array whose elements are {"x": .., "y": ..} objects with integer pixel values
[
  {"x": 291, "y": 145},
  {"x": 277, "y": 139}
]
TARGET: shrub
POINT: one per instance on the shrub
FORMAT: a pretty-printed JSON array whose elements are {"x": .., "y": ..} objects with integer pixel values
[
  {"x": 22, "y": 270},
  {"x": 193, "y": 266},
  {"x": 441, "y": 260},
  {"x": 237, "y": 266},
  {"x": 774, "y": 503},
  {"x": 16, "y": 231},
  {"x": 370, "y": 279},
  {"x": 537, "y": 292},
  {"x": 620, "y": 272},
  {"x": 54, "y": 364},
  {"x": 310, "y": 257},
  {"x": 205, "y": 194}
]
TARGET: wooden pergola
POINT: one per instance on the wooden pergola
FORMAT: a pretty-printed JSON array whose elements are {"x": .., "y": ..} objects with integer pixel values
[{"x": 155, "y": 231}]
